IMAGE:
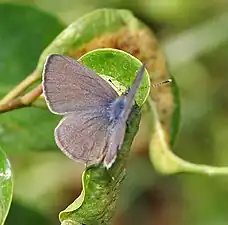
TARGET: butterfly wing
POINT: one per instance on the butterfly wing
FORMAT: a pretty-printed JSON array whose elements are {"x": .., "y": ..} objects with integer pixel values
[
  {"x": 130, "y": 95},
  {"x": 83, "y": 136},
  {"x": 115, "y": 142},
  {"x": 69, "y": 86},
  {"x": 118, "y": 131}
]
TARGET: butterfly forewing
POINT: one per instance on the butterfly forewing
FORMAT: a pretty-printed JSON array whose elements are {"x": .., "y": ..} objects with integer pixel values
[{"x": 69, "y": 86}]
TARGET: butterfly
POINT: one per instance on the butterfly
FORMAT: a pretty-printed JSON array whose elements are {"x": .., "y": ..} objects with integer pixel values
[{"x": 94, "y": 119}]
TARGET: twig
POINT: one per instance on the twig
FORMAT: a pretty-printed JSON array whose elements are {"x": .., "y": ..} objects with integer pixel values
[
  {"x": 12, "y": 95},
  {"x": 23, "y": 101}
]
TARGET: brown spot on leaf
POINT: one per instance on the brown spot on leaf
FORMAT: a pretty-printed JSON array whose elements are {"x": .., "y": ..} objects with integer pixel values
[{"x": 142, "y": 44}]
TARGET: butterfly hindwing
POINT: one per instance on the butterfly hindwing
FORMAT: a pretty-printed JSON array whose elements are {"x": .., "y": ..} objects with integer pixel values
[{"x": 83, "y": 136}]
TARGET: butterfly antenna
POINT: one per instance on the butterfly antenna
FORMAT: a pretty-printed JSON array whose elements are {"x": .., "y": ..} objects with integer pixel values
[{"x": 161, "y": 83}]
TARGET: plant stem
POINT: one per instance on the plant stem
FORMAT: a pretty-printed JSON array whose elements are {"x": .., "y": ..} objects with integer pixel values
[
  {"x": 23, "y": 101},
  {"x": 27, "y": 82}
]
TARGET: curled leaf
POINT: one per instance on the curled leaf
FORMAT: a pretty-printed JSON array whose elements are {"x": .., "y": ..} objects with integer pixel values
[{"x": 166, "y": 162}]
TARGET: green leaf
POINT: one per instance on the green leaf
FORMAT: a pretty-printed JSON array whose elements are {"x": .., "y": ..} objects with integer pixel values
[
  {"x": 6, "y": 186},
  {"x": 97, "y": 202},
  {"x": 103, "y": 28},
  {"x": 175, "y": 120},
  {"x": 23, "y": 129},
  {"x": 26, "y": 215},
  {"x": 120, "y": 66},
  {"x": 162, "y": 140},
  {"x": 24, "y": 32},
  {"x": 165, "y": 130},
  {"x": 166, "y": 162}
]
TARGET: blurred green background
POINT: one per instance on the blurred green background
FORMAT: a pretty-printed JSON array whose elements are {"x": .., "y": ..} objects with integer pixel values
[{"x": 194, "y": 38}]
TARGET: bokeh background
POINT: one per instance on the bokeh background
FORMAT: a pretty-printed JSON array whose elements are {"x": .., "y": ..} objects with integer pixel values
[{"x": 194, "y": 37}]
